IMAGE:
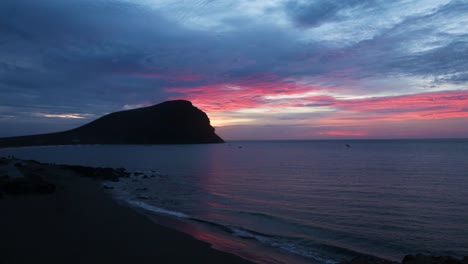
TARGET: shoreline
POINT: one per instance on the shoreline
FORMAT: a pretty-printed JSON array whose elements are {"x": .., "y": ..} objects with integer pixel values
[
  {"x": 66, "y": 214},
  {"x": 80, "y": 223}
]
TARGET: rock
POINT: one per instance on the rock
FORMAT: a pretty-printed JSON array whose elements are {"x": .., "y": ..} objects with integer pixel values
[
  {"x": 25, "y": 186},
  {"x": 424, "y": 259},
  {"x": 19, "y": 164},
  {"x": 121, "y": 170},
  {"x": 45, "y": 187},
  {"x": 368, "y": 260},
  {"x": 409, "y": 259},
  {"x": 106, "y": 174}
]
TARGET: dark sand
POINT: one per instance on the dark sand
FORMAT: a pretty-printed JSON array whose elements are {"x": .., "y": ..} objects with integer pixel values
[{"x": 80, "y": 223}]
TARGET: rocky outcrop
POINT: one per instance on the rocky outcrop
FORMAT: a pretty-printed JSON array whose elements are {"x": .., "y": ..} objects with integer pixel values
[
  {"x": 368, "y": 260},
  {"x": 171, "y": 122},
  {"x": 423, "y": 259},
  {"x": 409, "y": 259},
  {"x": 28, "y": 184},
  {"x": 104, "y": 174},
  {"x": 25, "y": 186},
  {"x": 13, "y": 180}
]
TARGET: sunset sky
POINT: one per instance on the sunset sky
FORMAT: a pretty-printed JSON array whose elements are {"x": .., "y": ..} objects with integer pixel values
[{"x": 261, "y": 69}]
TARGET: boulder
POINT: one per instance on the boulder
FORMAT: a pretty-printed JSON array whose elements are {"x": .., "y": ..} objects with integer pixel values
[
  {"x": 25, "y": 186},
  {"x": 424, "y": 259},
  {"x": 106, "y": 174},
  {"x": 368, "y": 260}
]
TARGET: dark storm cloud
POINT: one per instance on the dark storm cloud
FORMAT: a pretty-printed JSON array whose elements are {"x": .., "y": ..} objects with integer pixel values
[{"x": 315, "y": 13}]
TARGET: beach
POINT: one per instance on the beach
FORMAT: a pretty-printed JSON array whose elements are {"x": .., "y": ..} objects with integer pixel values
[{"x": 78, "y": 222}]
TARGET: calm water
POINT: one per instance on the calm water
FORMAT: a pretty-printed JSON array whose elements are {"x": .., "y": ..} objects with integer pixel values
[{"x": 297, "y": 201}]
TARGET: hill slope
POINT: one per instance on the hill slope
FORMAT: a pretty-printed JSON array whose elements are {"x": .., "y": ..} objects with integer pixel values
[{"x": 171, "y": 122}]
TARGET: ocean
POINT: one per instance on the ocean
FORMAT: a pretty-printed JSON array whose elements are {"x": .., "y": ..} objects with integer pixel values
[{"x": 295, "y": 201}]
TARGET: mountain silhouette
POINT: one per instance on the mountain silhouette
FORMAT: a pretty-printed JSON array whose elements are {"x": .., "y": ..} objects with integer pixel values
[{"x": 171, "y": 122}]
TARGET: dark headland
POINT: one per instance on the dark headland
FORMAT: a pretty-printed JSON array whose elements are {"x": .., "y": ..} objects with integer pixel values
[{"x": 171, "y": 122}]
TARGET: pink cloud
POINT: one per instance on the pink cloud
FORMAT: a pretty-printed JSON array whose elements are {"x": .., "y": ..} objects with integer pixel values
[
  {"x": 270, "y": 91},
  {"x": 342, "y": 133},
  {"x": 248, "y": 92},
  {"x": 435, "y": 105},
  {"x": 252, "y": 92}
]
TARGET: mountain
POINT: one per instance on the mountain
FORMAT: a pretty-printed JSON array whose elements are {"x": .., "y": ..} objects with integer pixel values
[{"x": 171, "y": 122}]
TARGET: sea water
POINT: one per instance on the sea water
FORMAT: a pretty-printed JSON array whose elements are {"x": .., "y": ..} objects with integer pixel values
[{"x": 295, "y": 201}]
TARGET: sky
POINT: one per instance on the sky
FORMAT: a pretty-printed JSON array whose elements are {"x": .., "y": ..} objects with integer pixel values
[{"x": 260, "y": 69}]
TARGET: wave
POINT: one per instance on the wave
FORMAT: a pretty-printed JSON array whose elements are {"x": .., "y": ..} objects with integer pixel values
[
  {"x": 155, "y": 209},
  {"x": 257, "y": 214},
  {"x": 322, "y": 253},
  {"x": 125, "y": 196}
]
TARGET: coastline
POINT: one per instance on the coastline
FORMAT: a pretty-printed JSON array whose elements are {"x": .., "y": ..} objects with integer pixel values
[
  {"x": 80, "y": 223},
  {"x": 64, "y": 214}
]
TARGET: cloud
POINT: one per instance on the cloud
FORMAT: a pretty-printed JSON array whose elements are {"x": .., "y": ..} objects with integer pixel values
[
  {"x": 429, "y": 44},
  {"x": 437, "y": 105},
  {"x": 66, "y": 115},
  {"x": 316, "y": 13},
  {"x": 299, "y": 57}
]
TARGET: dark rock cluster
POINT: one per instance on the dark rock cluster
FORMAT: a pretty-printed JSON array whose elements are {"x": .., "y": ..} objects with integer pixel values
[
  {"x": 31, "y": 183},
  {"x": 25, "y": 185},
  {"x": 105, "y": 174},
  {"x": 423, "y": 259},
  {"x": 409, "y": 259},
  {"x": 368, "y": 260}
]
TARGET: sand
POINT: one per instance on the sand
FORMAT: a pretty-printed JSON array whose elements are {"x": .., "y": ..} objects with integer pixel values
[{"x": 80, "y": 223}]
